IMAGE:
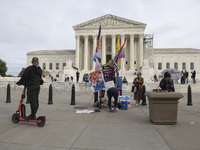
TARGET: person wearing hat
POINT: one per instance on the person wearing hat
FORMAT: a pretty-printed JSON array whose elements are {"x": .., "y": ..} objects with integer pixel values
[{"x": 32, "y": 79}]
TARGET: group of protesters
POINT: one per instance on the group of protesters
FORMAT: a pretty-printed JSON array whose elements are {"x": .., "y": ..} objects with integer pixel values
[{"x": 184, "y": 78}]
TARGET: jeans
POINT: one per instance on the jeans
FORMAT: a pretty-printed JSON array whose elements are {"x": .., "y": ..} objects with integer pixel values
[
  {"x": 186, "y": 80},
  {"x": 112, "y": 92},
  {"x": 32, "y": 96},
  {"x": 194, "y": 81}
]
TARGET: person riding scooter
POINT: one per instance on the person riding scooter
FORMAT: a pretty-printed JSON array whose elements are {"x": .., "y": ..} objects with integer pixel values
[{"x": 32, "y": 79}]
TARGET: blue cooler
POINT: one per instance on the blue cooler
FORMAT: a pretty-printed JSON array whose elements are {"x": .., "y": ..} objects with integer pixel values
[{"x": 124, "y": 105}]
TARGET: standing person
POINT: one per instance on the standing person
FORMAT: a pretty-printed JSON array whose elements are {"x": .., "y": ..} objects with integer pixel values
[
  {"x": 32, "y": 80},
  {"x": 77, "y": 76},
  {"x": 155, "y": 78},
  {"x": 186, "y": 76},
  {"x": 183, "y": 77},
  {"x": 194, "y": 76},
  {"x": 52, "y": 79},
  {"x": 87, "y": 78},
  {"x": 113, "y": 92},
  {"x": 138, "y": 81},
  {"x": 84, "y": 77},
  {"x": 72, "y": 78}
]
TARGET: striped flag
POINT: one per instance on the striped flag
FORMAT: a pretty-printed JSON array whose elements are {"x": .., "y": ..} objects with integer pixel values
[
  {"x": 97, "y": 54},
  {"x": 122, "y": 54}
]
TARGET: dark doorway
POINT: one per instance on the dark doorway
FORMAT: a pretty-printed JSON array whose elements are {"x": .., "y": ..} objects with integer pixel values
[{"x": 108, "y": 57}]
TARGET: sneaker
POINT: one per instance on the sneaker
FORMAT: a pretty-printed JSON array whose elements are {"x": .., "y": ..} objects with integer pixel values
[{"x": 30, "y": 117}]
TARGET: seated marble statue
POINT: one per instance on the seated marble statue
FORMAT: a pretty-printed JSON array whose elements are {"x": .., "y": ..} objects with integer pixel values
[{"x": 167, "y": 83}]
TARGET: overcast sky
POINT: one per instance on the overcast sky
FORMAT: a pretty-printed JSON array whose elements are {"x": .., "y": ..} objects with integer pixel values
[{"x": 29, "y": 25}]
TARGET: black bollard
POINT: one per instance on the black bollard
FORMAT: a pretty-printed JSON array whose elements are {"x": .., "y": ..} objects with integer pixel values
[
  {"x": 73, "y": 96},
  {"x": 50, "y": 95},
  {"x": 189, "y": 102},
  {"x": 8, "y": 99},
  {"x": 95, "y": 97},
  {"x": 143, "y": 96}
]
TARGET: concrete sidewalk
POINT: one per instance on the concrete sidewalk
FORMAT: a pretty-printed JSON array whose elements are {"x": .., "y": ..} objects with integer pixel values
[{"x": 127, "y": 129}]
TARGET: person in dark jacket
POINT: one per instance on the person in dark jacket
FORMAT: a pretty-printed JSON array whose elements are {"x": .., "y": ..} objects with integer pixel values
[
  {"x": 193, "y": 76},
  {"x": 77, "y": 76},
  {"x": 32, "y": 80},
  {"x": 113, "y": 92},
  {"x": 167, "y": 83}
]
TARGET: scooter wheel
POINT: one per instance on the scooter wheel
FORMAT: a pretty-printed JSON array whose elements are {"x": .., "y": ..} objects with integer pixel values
[
  {"x": 15, "y": 118},
  {"x": 42, "y": 123}
]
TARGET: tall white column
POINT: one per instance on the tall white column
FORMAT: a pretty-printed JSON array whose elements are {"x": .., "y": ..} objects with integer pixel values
[
  {"x": 113, "y": 45},
  {"x": 131, "y": 58},
  {"x": 103, "y": 54},
  {"x": 77, "y": 50},
  {"x": 141, "y": 49},
  {"x": 94, "y": 49},
  {"x": 86, "y": 52},
  {"x": 122, "y": 59}
]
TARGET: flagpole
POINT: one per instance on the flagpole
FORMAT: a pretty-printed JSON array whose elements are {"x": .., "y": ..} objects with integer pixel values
[{"x": 122, "y": 63}]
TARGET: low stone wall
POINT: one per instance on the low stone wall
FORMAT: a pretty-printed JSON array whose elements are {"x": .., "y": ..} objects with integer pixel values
[{"x": 83, "y": 87}]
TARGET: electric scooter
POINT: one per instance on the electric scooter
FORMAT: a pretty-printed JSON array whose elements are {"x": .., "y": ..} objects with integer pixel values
[{"x": 20, "y": 114}]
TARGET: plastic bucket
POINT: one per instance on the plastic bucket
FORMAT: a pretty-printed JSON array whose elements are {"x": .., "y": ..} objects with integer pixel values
[{"x": 124, "y": 105}]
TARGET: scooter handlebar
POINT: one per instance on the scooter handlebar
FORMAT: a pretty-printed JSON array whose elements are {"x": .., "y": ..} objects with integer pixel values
[{"x": 24, "y": 93}]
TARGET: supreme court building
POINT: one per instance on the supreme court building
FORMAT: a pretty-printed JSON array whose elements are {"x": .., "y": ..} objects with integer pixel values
[{"x": 139, "y": 54}]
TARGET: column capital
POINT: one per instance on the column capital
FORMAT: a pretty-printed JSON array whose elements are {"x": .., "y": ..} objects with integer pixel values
[
  {"x": 132, "y": 35},
  {"x": 113, "y": 35},
  {"x": 86, "y": 36},
  {"x": 94, "y": 36},
  {"x": 122, "y": 35},
  {"x": 141, "y": 35},
  {"x": 77, "y": 36},
  {"x": 104, "y": 35}
]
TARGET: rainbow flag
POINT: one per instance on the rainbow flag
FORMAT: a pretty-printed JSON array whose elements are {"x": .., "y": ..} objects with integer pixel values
[{"x": 122, "y": 54}]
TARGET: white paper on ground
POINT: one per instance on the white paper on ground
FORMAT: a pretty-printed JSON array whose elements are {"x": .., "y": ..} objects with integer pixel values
[{"x": 85, "y": 111}]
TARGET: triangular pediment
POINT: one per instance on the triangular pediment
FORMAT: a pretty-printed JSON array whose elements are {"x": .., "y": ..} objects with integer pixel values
[{"x": 109, "y": 21}]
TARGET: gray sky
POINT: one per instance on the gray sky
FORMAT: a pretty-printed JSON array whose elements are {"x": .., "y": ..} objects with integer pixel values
[{"x": 29, "y": 25}]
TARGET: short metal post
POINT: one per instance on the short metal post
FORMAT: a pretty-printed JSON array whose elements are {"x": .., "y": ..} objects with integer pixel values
[
  {"x": 8, "y": 99},
  {"x": 143, "y": 96},
  {"x": 50, "y": 101},
  {"x": 73, "y": 96},
  {"x": 189, "y": 102}
]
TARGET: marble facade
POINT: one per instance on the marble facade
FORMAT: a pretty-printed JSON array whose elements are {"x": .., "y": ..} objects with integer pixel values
[
  {"x": 138, "y": 52},
  {"x": 111, "y": 27}
]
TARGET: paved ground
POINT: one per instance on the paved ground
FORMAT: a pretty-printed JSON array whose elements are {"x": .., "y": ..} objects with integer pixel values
[{"x": 66, "y": 130}]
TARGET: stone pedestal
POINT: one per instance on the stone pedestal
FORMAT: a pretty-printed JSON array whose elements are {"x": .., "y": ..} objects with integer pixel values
[{"x": 163, "y": 107}]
